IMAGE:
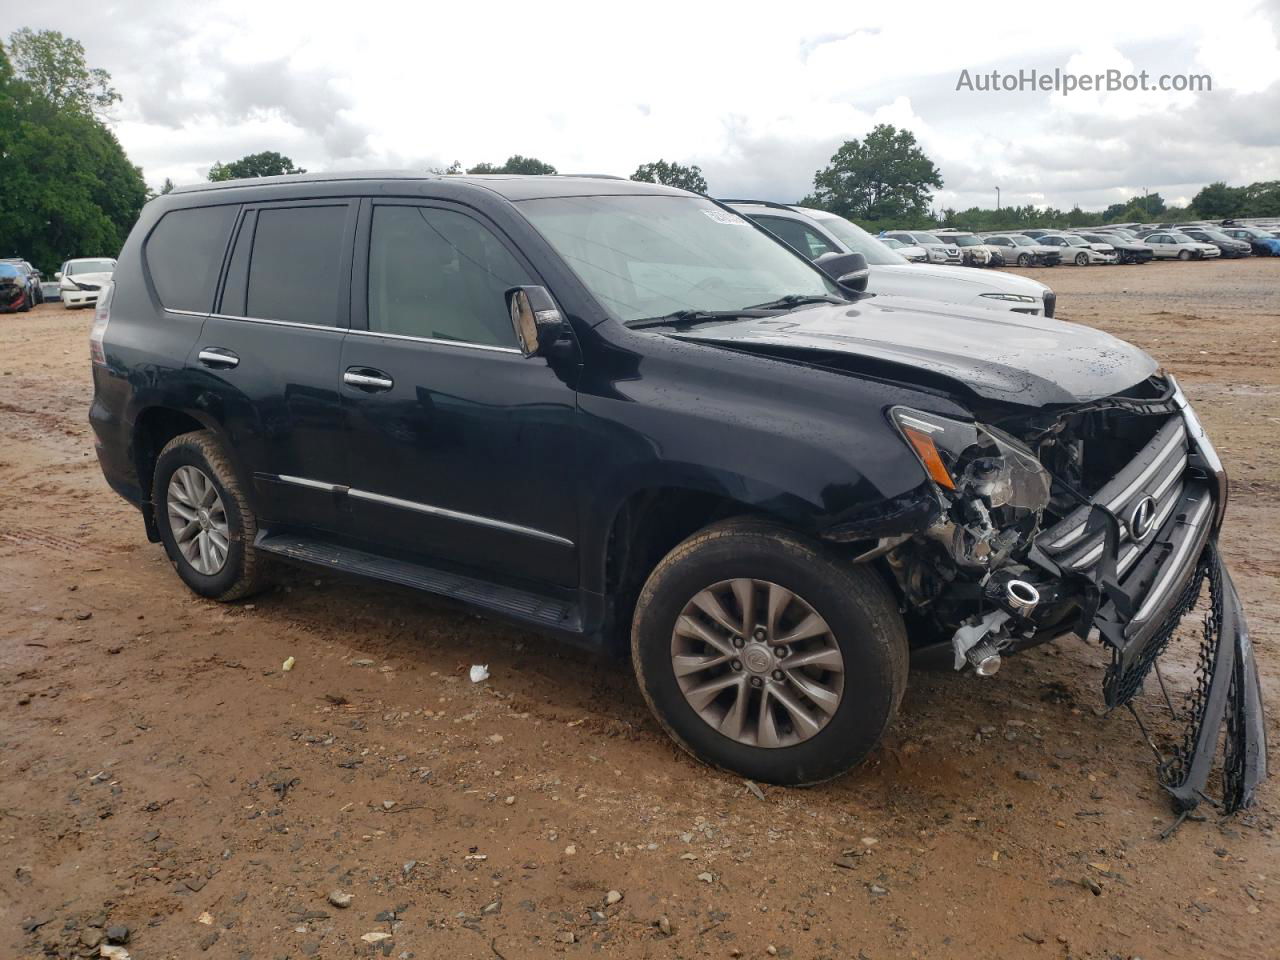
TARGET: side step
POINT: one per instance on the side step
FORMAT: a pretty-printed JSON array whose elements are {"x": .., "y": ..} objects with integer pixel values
[{"x": 514, "y": 604}]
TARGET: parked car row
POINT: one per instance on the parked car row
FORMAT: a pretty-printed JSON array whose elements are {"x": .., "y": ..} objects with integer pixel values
[{"x": 77, "y": 284}]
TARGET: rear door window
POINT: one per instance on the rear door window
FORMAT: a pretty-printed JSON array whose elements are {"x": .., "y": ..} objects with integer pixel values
[
  {"x": 295, "y": 268},
  {"x": 184, "y": 255}
]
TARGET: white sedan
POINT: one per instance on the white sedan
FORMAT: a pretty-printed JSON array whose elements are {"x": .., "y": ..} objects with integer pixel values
[
  {"x": 1170, "y": 245},
  {"x": 80, "y": 281},
  {"x": 1078, "y": 250}
]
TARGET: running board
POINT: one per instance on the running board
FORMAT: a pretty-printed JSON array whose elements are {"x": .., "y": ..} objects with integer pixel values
[{"x": 518, "y": 605}]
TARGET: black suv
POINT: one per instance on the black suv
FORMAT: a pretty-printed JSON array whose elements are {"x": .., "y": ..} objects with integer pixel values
[{"x": 623, "y": 415}]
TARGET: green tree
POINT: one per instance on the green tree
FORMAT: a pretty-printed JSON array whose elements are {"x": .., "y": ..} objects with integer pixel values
[
  {"x": 673, "y": 175},
  {"x": 166, "y": 187},
  {"x": 265, "y": 164},
  {"x": 516, "y": 164},
  {"x": 68, "y": 189},
  {"x": 1217, "y": 200},
  {"x": 884, "y": 176},
  {"x": 54, "y": 67}
]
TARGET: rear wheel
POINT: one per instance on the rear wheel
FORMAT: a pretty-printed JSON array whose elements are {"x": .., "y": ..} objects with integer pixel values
[
  {"x": 761, "y": 654},
  {"x": 1024, "y": 259},
  {"x": 206, "y": 524}
]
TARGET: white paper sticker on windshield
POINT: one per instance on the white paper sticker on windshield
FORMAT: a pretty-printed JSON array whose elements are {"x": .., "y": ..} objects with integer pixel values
[{"x": 724, "y": 216}]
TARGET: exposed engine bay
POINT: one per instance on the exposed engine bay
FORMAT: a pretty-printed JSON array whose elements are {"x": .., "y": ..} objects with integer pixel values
[{"x": 1103, "y": 517}]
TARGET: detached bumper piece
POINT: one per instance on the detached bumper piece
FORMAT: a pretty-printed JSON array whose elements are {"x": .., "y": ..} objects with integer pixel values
[{"x": 1225, "y": 702}]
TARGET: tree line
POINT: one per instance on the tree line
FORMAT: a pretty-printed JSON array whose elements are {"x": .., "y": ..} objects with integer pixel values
[{"x": 883, "y": 182}]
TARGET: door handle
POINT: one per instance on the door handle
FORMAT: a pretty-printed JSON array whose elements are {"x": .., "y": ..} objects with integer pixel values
[
  {"x": 218, "y": 357},
  {"x": 366, "y": 378}
]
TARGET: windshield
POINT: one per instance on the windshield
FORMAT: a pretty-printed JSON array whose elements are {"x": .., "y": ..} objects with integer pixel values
[
  {"x": 649, "y": 256},
  {"x": 1076, "y": 241},
  {"x": 1180, "y": 238},
  {"x": 857, "y": 239},
  {"x": 90, "y": 266},
  {"x": 927, "y": 238},
  {"x": 1023, "y": 241}
]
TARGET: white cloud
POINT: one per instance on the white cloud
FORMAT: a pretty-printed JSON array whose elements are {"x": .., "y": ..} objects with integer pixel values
[{"x": 759, "y": 96}]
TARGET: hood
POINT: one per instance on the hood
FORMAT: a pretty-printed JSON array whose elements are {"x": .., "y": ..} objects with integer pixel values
[
  {"x": 97, "y": 279},
  {"x": 996, "y": 355},
  {"x": 973, "y": 282}
]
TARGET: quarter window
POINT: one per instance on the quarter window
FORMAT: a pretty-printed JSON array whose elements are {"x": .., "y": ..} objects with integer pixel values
[
  {"x": 294, "y": 271},
  {"x": 441, "y": 275},
  {"x": 184, "y": 255}
]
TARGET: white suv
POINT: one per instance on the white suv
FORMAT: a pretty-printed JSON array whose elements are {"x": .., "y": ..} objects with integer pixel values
[{"x": 816, "y": 232}]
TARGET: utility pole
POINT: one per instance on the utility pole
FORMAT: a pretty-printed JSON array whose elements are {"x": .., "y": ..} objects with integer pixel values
[{"x": 997, "y": 199}]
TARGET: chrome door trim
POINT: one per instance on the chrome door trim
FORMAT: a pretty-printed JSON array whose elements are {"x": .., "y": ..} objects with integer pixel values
[
  {"x": 347, "y": 330},
  {"x": 311, "y": 484},
  {"x": 426, "y": 508},
  {"x": 458, "y": 515},
  {"x": 444, "y": 343}
]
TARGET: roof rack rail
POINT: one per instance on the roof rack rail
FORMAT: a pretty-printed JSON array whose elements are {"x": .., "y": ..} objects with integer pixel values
[{"x": 763, "y": 203}]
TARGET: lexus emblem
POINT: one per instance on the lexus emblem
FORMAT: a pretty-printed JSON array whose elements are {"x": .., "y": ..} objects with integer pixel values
[{"x": 1142, "y": 520}]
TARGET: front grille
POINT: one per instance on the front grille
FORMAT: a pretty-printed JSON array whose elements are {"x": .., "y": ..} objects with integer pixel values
[{"x": 1157, "y": 472}]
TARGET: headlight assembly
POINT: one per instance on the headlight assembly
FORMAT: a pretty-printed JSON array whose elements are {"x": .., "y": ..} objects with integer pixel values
[{"x": 995, "y": 487}]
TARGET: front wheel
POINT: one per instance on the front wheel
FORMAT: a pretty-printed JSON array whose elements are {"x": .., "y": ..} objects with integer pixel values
[
  {"x": 206, "y": 524},
  {"x": 1082, "y": 259},
  {"x": 761, "y": 654},
  {"x": 1024, "y": 259},
  {"x": 1184, "y": 254}
]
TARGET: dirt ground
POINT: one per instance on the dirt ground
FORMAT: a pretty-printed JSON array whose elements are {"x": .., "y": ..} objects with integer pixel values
[{"x": 159, "y": 769}]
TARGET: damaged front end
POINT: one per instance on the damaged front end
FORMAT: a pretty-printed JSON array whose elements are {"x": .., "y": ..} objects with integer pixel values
[{"x": 1102, "y": 516}]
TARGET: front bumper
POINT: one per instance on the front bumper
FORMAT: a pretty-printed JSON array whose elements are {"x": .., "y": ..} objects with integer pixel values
[
  {"x": 79, "y": 296},
  {"x": 1141, "y": 552}
]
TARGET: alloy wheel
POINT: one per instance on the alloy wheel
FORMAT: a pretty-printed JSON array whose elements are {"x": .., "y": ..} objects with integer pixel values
[
  {"x": 198, "y": 520},
  {"x": 757, "y": 663}
]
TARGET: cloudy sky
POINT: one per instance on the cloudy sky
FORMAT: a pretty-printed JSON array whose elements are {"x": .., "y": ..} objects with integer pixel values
[{"x": 759, "y": 95}]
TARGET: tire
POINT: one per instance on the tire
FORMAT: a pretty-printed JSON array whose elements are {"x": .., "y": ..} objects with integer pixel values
[
  {"x": 1082, "y": 259},
  {"x": 241, "y": 571},
  {"x": 864, "y": 626},
  {"x": 1184, "y": 255},
  {"x": 1024, "y": 259}
]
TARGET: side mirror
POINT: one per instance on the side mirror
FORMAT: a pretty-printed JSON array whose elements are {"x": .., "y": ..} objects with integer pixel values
[
  {"x": 536, "y": 319},
  {"x": 849, "y": 270},
  {"x": 58, "y": 275}
]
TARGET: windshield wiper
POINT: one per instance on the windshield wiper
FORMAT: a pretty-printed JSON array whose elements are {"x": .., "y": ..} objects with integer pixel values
[
  {"x": 797, "y": 300},
  {"x": 696, "y": 316}
]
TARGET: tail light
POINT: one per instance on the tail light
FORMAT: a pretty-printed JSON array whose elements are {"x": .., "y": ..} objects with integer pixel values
[{"x": 101, "y": 317}]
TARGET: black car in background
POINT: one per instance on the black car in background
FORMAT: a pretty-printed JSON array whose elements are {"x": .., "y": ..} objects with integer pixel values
[
  {"x": 624, "y": 415},
  {"x": 14, "y": 295},
  {"x": 1127, "y": 251},
  {"x": 30, "y": 278},
  {"x": 1229, "y": 246}
]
